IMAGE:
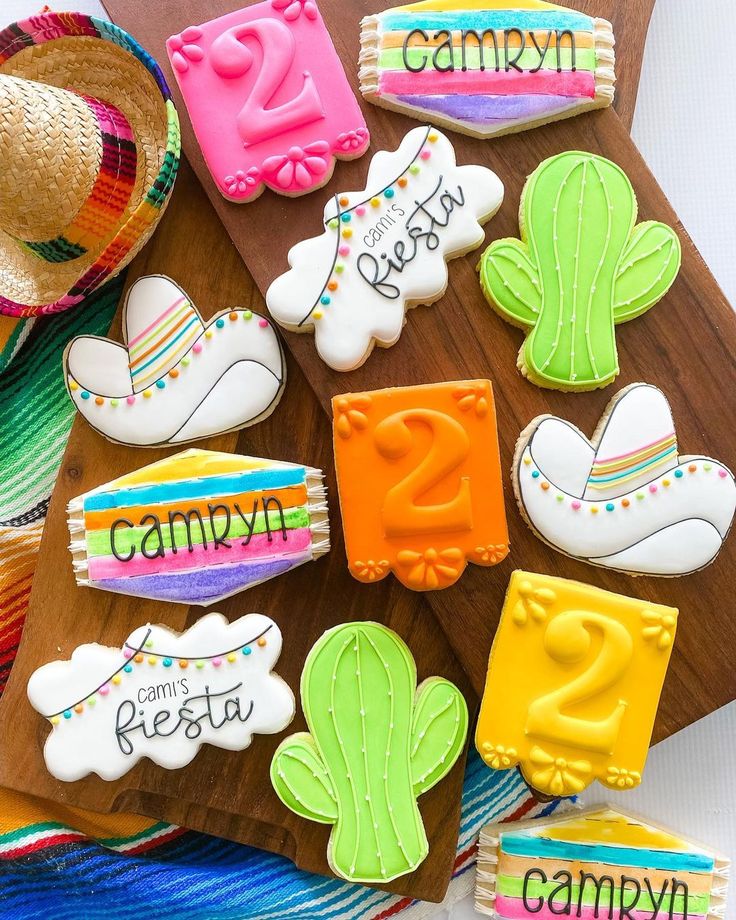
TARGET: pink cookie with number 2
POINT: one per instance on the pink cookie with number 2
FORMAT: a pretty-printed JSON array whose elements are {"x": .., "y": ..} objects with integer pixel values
[{"x": 268, "y": 99}]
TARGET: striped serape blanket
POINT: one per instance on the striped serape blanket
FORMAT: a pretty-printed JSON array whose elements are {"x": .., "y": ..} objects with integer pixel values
[{"x": 59, "y": 862}]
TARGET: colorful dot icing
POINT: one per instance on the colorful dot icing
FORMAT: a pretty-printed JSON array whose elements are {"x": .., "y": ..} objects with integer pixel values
[
  {"x": 283, "y": 110},
  {"x": 600, "y": 863},
  {"x": 237, "y": 379},
  {"x": 582, "y": 267},
  {"x": 198, "y": 527},
  {"x": 434, "y": 497},
  {"x": 144, "y": 714},
  {"x": 674, "y": 524},
  {"x": 376, "y": 743},
  {"x": 394, "y": 255},
  {"x": 484, "y": 67},
  {"x": 574, "y": 680}
]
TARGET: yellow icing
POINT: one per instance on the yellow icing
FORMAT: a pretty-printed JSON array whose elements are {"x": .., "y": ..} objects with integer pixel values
[
  {"x": 444, "y": 6},
  {"x": 189, "y": 464},
  {"x": 609, "y": 827},
  {"x": 573, "y": 685}
]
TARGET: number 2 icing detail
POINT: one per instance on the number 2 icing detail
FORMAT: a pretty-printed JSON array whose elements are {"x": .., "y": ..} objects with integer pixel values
[
  {"x": 625, "y": 499},
  {"x": 582, "y": 267},
  {"x": 573, "y": 685},
  {"x": 376, "y": 742},
  {"x": 162, "y": 696},
  {"x": 268, "y": 99},
  {"x": 434, "y": 499},
  {"x": 384, "y": 248}
]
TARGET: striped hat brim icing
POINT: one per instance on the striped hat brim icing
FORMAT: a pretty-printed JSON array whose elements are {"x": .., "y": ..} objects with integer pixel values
[{"x": 95, "y": 60}]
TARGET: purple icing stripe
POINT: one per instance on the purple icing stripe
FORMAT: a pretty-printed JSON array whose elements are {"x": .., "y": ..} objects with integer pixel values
[
  {"x": 203, "y": 585},
  {"x": 488, "y": 110}
]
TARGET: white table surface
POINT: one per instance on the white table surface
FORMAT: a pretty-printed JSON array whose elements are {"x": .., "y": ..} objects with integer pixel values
[{"x": 685, "y": 126}]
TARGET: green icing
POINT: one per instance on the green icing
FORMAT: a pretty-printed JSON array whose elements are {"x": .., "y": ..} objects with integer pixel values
[
  {"x": 581, "y": 267},
  {"x": 127, "y": 538},
  {"x": 376, "y": 743},
  {"x": 393, "y": 58}
]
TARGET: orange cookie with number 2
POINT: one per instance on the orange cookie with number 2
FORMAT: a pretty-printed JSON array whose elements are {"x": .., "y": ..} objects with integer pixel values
[{"x": 419, "y": 478}]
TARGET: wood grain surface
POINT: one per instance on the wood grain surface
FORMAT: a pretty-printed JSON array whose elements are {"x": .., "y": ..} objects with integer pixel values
[{"x": 229, "y": 794}]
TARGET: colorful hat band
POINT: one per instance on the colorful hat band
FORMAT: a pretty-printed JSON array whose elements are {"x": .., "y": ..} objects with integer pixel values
[
  {"x": 162, "y": 344},
  {"x": 110, "y": 193},
  {"x": 635, "y": 463}
]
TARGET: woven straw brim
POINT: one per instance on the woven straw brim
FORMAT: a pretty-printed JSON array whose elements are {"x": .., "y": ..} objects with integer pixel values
[{"x": 102, "y": 69}]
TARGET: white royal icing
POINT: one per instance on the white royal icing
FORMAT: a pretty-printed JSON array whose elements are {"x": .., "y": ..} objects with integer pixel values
[
  {"x": 624, "y": 500},
  {"x": 384, "y": 248},
  {"x": 106, "y": 718},
  {"x": 176, "y": 379}
]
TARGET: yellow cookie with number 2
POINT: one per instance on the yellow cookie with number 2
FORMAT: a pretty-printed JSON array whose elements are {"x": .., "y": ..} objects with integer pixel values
[{"x": 574, "y": 680}]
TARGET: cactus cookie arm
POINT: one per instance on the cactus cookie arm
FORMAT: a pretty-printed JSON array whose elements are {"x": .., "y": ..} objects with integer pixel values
[
  {"x": 301, "y": 780},
  {"x": 510, "y": 280},
  {"x": 649, "y": 266},
  {"x": 439, "y": 729}
]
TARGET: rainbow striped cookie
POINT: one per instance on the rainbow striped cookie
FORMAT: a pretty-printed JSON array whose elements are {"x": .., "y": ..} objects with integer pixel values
[
  {"x": 485, "y": 68},
  {"x": 602, "y": 863},
  {"x": 198, "y": 527}
]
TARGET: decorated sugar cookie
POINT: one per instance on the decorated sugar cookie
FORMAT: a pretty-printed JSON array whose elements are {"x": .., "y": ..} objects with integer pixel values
[
  {"x": 626, "y": 499},
  {"x": 582, "y": 267},
  {"x": 433, "y": 500},
  {"x": 383, "y": 249},
  {"x": 162, "y": 696},
  {"x": 573, "y": 685},
  {"x": 176, "y": 378},
  {"x": 603, "y": 862},
  {"x": 268, "y": 99},
  {"x": 487, "y": 67},
  {"x": 376, "y": 742},
  {"x": 198, "y": 527}
]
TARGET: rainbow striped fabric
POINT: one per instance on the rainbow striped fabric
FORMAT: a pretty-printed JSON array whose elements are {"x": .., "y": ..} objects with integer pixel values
[
  {"x": 198, "y": 526},
  {"x": 156, "y": 348},
  {"x": 487, "y": 65},
  {"x": 66, "y": 863},
  {"x": 609, "y": 471},
  {"x": 600, "y": 863}
]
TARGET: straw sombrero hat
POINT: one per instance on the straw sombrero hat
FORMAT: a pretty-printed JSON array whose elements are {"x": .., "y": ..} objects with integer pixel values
[{"x": 89, "y": 149}]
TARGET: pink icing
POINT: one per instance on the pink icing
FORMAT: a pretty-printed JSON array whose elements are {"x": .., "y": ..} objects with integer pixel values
[{"x": 268, "y": 98}]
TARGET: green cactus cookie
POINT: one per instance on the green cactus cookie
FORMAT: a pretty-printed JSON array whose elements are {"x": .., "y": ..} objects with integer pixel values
[
  {"x": 377, "y": 742},
  {"x": 581, "y": 267}
]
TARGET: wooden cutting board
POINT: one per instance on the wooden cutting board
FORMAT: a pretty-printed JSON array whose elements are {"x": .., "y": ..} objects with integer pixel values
[
  {"x": 685, "y": 345},
  {"x": 226, "y": 795}
]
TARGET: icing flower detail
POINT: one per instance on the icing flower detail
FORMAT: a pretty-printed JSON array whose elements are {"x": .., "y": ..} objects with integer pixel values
[
  {"x": 300, "y": 166},
  {"x": 432, "y": 567},
  {"x": 658, "y": 626},
  {"x": 623, "y": 779},
  {"x": 352, "y": 140},
  {"x": 556, "y": 775},
  {"x": 472, "y": 397},
  {"x": 292, "y": 9},
  {"x": 184, "y": 49},
  {"x": 498, "y": 756},
  {"x": 351, "y": 415},
  {"x": 532, "y": 603},
  {"x": 242, "y": 182},
  {"x": 492, "y": 553},
  {"x": 372, "y": 570}
]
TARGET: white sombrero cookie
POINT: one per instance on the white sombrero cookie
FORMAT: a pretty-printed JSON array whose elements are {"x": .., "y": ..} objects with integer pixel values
[
  {"x": 175, "y": 379},
  {"x": 626, "y": 499}
]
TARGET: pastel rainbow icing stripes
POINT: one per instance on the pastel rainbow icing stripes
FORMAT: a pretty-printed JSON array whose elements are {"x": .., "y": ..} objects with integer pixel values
[
  {"x": 609, "y": 471},
  {"x": 198, "y": 527},
  {"x": 484, "y": 67},
  {"x": 599, "y": 864},
  {"x": 163, "y": 343}
]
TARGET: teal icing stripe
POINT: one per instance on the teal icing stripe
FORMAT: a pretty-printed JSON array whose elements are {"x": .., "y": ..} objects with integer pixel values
[
  {"x": 615, "y": 856},
  {"x": 210, "y": 487},
  {"x": 488, "y": 19},
  {"x": 167, "y": 346},
  {"x": 635, "y": 469}
]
